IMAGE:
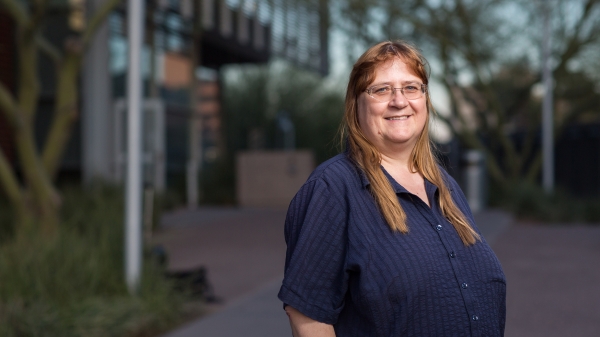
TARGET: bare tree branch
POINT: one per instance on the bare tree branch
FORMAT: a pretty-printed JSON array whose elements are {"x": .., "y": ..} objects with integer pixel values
[
  {"x": 472, "y": 56},
  {"x": 8, "y": 180},
  {"x": 466, "y": 41},
  {"x": 8, "y": 105},
  {"x": 576, "y": 42},
  {"x": 527, "y": 149},
  {"x": 65, "y": 110},
  {"x": 535, "y": 167},
  {"x": 16, "y": 11},
  {"x": 65, "y": 114},
  {"x": 469, "y": 137},
  {"x": 39, "y": 13},
  {"x": 49, "y": 49},
  {"x": 96, "y": 21}
]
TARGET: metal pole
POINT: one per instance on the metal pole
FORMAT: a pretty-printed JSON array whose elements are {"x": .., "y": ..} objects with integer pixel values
[
  {"x": 547, "y": 113},
  {"x": 133, "y": 201},
  {"x": 193, "y": 161},
  {"x": 194, "y": 165}
]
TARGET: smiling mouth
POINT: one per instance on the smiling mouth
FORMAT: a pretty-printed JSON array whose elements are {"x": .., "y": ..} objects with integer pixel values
[{"x": 397, "y": 118}]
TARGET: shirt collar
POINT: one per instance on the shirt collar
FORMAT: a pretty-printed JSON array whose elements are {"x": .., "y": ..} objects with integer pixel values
[
  {"x": 395, "y": 185},
  {"x": 430, "y": 188},
  {"x": 363, "y": 177}
]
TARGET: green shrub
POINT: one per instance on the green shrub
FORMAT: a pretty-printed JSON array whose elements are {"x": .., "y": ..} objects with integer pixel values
[
  {"x": 72, "y": 284},
  {"x": 530, "y": 201}
]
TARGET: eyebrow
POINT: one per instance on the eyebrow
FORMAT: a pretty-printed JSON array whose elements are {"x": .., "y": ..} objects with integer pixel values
[{"x": 402, "y": 83}]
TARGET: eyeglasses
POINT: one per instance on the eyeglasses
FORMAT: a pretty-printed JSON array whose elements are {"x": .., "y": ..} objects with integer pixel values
[{"x": 385, "y": 93}]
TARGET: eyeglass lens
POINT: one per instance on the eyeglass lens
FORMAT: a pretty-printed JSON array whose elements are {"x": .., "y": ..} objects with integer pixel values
[{"x": 385, "y": 93}]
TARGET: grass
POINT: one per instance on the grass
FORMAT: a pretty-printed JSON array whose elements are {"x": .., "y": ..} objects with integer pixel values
[{"x": 73, "y": 284}]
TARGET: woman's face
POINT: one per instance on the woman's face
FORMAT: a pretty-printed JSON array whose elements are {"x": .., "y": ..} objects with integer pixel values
[{"x": 396, "y": 124}]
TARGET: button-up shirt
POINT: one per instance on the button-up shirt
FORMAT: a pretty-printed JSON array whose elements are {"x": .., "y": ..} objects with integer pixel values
[{"x": 346, "y": 267}]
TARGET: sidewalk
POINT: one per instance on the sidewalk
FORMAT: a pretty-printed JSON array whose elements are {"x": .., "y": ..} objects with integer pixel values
[
  {"x": 244, "y": 253},
  {"x": 553, "y": 276},
  {"x": 552, "y": 271}
]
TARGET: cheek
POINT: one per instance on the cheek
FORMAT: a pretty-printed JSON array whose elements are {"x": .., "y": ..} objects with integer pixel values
[
  {"x": 419, "y": 106},
  {"x": 421, "y": 110},
  {"x": 361, "y": 112}
]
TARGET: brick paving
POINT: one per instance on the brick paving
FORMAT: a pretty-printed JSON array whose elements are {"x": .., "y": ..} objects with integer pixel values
[
  {"x": 242, "y": 249},
  {"x": 553, "y": 271},
  {"x": 553, "y": 280}
]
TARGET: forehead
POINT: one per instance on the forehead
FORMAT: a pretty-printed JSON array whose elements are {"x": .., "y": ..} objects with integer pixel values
[{"x": 394, "y": 70}]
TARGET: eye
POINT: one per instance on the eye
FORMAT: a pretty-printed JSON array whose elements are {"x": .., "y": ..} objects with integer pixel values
[
  {"x": 381, "y": 90},
  {"x": 411, "y": 88}
]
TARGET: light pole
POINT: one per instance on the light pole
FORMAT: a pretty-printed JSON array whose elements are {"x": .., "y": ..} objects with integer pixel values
[
  {"x": 547, "y": 113},
  {"x": 133, "y": 193}
]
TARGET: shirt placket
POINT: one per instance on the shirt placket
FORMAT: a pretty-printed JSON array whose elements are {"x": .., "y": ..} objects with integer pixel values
[{"x": 442, "y": 227}]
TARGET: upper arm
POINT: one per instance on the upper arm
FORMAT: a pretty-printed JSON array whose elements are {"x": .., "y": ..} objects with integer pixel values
[
  {"x": 303, "y": 325},
  {"x": 315, "y": 279}
]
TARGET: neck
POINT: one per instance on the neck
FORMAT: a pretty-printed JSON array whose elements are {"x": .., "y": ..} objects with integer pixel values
[
  {"x": 398, "y": 152},
  {"x": 397, "y": 159}
]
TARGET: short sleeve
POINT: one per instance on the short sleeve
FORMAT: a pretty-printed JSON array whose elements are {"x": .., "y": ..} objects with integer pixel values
[{"x": 315, "y": 280}]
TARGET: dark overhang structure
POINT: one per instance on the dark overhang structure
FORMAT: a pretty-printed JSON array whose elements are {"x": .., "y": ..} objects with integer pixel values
[{"x": 243, "y": 31}]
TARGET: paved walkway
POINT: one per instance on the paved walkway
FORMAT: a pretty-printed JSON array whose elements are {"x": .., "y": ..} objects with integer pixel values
[
  {"x": 553, "y": 271},
  {"x": 244, "y": 253},
  {"x": 553, "y": 275}
]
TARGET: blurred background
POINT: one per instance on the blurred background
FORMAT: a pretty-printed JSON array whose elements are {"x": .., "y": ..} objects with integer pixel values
[{"x": 241, "y": 100}]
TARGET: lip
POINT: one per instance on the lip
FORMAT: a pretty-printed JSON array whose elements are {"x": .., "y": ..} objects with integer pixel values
[{"x": 397, "y": 118}]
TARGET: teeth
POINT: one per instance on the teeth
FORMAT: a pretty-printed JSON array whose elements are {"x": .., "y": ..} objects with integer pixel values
[{"x": 397, "y": 118}]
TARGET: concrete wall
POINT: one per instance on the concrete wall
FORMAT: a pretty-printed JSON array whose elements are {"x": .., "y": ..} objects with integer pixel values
[{"x": 271, "y": 178}]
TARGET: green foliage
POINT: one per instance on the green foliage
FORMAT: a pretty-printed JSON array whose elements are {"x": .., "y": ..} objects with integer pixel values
[
  {"x": 253, "y": 98},
  {"x": 72, "y": 284},
  {"x": 255, "y": 95},
  {"x": 529, "y": 201}
]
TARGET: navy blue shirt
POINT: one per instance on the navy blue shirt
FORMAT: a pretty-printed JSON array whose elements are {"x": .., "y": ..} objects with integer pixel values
[{"x": 345, "y": 266}]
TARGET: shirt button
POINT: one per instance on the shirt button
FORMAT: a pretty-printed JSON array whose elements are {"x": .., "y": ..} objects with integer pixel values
[
  {"x": 474, "y": 317},
  {"x": 464, "y": 286},
  {"x": 438, "y": 227},
  {"x": 452, "y": 255}
]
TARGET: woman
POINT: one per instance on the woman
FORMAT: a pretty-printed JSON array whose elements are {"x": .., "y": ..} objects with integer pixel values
[{"x": 381, "y": 241}]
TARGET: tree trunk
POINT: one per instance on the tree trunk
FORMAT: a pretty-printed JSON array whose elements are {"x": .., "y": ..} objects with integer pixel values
[
  {"x": 65, "y": 113},
  {"x": 41, "y": 196},
  {"x": 36, "y": 203}
]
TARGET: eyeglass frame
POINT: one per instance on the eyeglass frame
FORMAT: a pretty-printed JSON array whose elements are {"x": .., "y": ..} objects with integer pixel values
[{"x": 423, "y": 91}]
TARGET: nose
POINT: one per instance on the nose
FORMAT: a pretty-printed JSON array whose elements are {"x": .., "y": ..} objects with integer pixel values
[{"x": 398, "y": 98}]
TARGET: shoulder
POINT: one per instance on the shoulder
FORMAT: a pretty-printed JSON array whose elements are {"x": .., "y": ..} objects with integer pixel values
[
  {"x": 336, "y": 170},
  {"x": 328, "y": 185},
  {"x": 322, "y": 200}
]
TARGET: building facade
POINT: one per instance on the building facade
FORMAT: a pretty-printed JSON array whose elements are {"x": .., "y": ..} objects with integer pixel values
[{"x": 187, "y": 42}]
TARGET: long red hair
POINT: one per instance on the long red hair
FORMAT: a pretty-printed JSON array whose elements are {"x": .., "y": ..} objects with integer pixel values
[{"x": 368, "y": 158}]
